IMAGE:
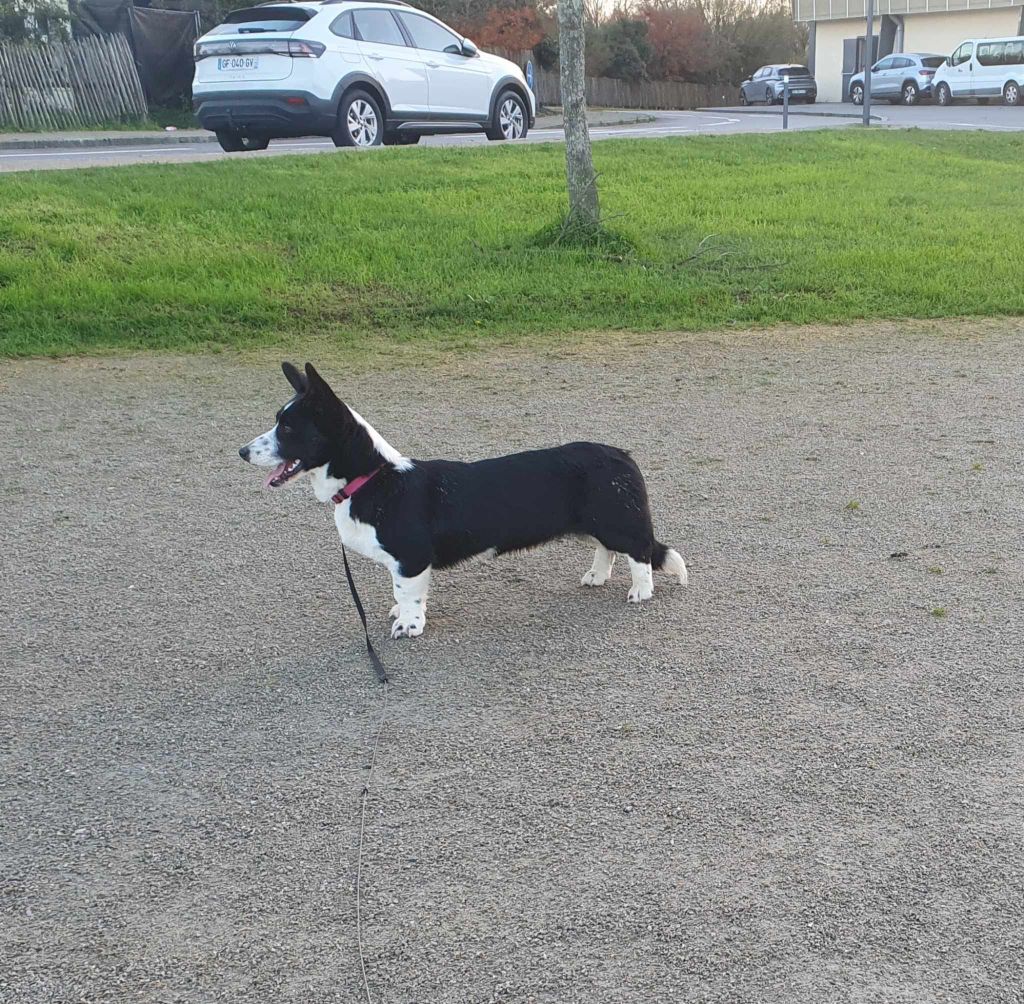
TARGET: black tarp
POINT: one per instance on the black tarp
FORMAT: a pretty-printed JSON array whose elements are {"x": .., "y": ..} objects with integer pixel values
[
  {"x": 161, "y": 42},
  {"x": 101, "y": 17}
]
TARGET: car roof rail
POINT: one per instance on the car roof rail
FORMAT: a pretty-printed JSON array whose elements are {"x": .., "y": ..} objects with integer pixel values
[{"x": 390, "y": 3}]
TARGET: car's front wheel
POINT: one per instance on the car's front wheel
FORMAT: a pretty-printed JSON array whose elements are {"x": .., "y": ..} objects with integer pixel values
[
  {"x": 1011, "y": 93},
  {"x": 360, "y": 122},
  {"x": 232, "y": 141},
  {"x": 511, "y": 120},
  {"x": 857, "y": 94},
  {"x": 944, "y": 95}
]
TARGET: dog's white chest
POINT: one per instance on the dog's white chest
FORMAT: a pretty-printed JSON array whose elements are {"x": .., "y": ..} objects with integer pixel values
[{"x": 361, "y": 537}]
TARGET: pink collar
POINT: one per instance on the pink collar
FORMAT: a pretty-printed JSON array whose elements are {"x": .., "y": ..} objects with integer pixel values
[{"x": 354, "y": 485}]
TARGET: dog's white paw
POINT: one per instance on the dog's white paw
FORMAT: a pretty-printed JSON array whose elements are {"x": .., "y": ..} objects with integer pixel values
[
  {"x": 394, "y": 611},
  {"x": 408, "y": 627},
  {"x": 637, "y": 594},
  {"x": 593, "y": 578}
]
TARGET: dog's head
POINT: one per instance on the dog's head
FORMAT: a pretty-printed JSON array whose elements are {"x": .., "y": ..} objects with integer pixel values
[{"x": 301, "y": 439}]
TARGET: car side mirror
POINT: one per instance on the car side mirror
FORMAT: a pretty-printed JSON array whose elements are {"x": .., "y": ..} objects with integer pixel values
[{"x": 469, "y": 49}]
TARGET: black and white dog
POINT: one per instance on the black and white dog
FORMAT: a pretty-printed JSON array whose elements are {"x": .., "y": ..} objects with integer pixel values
[{"x": 413, "y": 516}]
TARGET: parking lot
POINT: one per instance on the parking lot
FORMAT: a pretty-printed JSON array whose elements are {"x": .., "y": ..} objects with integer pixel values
[
  {"x": 796, "y": 781},
  {"x": 965, "y": 115}
]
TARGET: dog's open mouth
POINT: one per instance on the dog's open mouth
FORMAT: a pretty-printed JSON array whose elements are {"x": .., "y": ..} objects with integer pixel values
[{"x": 283, "y": 473}]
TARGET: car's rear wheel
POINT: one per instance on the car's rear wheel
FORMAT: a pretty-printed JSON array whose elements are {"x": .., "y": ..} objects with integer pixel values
[
  {"x": 1011, "y": 93},
  {"x": 511, "y": 120},
  {"x": 769, "y": 97},
  {"x": 911, "y": 95},
  {"x": 743, "y": 97},
  {"x": 360, "y": 122},
  {"x": 944, "y": 95},
  {"x": 857, "y": 94},
  {"x": 232, "y": 141}
]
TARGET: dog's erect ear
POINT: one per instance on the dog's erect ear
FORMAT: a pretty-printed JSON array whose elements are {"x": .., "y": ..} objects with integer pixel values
[
  {"x": 317, "y": 384},
  {"x": 294, "y": 377}
]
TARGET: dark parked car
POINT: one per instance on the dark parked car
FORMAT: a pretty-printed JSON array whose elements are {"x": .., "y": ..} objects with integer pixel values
[
  {"x": 903, "y": 78},
  {"x": 766, "y": 85}
]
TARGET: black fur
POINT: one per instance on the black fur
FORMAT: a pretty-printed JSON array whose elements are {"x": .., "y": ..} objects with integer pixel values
[{"x": 441, "y": 512}]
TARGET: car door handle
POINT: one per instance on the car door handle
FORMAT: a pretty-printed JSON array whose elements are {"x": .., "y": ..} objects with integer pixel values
[
  {"x": 433, "y": 66},
  {"x": 375, "y": 55}
]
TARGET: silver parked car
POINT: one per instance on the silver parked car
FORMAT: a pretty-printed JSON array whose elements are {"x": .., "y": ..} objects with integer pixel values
[
  {"x": 766, "y": 85},
  {"x": 902, "y": 78}
]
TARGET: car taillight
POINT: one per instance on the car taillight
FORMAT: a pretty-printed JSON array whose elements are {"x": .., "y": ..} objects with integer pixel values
[
  {"x": 294, "y": 47},
  {"x": 309, "y": 50},
  {"x": 927, "y": 73}
]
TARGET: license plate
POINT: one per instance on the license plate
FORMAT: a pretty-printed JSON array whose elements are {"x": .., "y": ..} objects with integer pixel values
[
  {"x": 238, "y": 62},
  {"x": 800, "y": 92}
]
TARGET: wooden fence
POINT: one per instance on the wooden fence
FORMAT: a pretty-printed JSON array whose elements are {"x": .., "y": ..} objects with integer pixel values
[
  {"x": 89, "y": 81},
  {"x": 604, "y": 92}
]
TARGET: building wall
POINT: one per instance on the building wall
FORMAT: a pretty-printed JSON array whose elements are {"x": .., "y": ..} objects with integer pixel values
[
  {"x": 940, "y": 33},
  {"x": 828, "y": 54}
]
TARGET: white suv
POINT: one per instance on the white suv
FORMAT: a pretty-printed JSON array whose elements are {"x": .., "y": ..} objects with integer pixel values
[{"x": 363, "y": 72}]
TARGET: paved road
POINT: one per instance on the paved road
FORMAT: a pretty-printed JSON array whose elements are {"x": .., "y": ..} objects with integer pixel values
[
  {"x": 665, "y": 124},
  {"x": 796, "y": 782},
  {"x": 994, "y": 118}
]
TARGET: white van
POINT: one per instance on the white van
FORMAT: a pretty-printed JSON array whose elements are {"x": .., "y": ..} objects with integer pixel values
[{"x": 982, "y": 68}]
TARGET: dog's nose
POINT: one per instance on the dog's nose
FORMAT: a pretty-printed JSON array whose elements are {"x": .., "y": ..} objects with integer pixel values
[{"x": 244, "y": 452}]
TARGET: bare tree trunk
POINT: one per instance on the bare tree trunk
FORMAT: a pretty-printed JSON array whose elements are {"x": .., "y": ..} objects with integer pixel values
[{"x": 579, "y": 165}]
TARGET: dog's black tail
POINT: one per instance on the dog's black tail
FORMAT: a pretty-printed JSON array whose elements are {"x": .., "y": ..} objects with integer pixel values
[{"x": 665, "y": 559}]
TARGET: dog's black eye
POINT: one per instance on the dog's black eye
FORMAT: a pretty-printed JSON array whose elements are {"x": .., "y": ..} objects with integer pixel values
[{"x": 284, "y": 427}]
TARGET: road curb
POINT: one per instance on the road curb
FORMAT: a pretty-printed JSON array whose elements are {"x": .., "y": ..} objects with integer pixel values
[
  {"x": 793, "y": 110},
  {"x": 92, "y": 142},
  {"x": 598, "y": 120},
  {"x": 141, "y": 139}
]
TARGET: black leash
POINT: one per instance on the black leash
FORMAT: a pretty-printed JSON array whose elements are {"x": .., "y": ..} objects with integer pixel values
[
  {"x": 359, "y": 858},
  {"x": 378, "y": 666},
  {"x": 382, "y": 675}
]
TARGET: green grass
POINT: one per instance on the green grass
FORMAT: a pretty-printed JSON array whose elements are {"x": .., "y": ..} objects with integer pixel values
[{"x": 453, "y": 245}]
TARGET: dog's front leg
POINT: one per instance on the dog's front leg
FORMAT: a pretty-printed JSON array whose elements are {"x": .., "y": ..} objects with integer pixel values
[{"x": 410, "y": 609}]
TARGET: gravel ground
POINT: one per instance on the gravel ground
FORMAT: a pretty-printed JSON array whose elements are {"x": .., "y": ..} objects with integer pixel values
[{"x": 797, "y": 781}]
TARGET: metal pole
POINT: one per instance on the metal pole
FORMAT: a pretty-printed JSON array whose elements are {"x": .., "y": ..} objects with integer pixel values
[
  {"x": 869, "y": 58},
  {"x": 785, "y": 102}
]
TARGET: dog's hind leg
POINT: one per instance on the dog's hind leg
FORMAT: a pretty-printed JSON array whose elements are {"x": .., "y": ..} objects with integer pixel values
[
  {"x": 601, "y": 569},
  {"x": 410, "y": 610}
]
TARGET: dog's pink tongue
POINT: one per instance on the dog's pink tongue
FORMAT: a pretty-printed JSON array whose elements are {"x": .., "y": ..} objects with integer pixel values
[{"x": 275, "y": 473}]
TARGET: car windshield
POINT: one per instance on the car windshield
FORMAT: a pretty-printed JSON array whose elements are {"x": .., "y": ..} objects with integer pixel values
[
  {"x": 252, "y": 20},
  {"x": 933, "y": 61},
  {"x": 794, "y": 71}
]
